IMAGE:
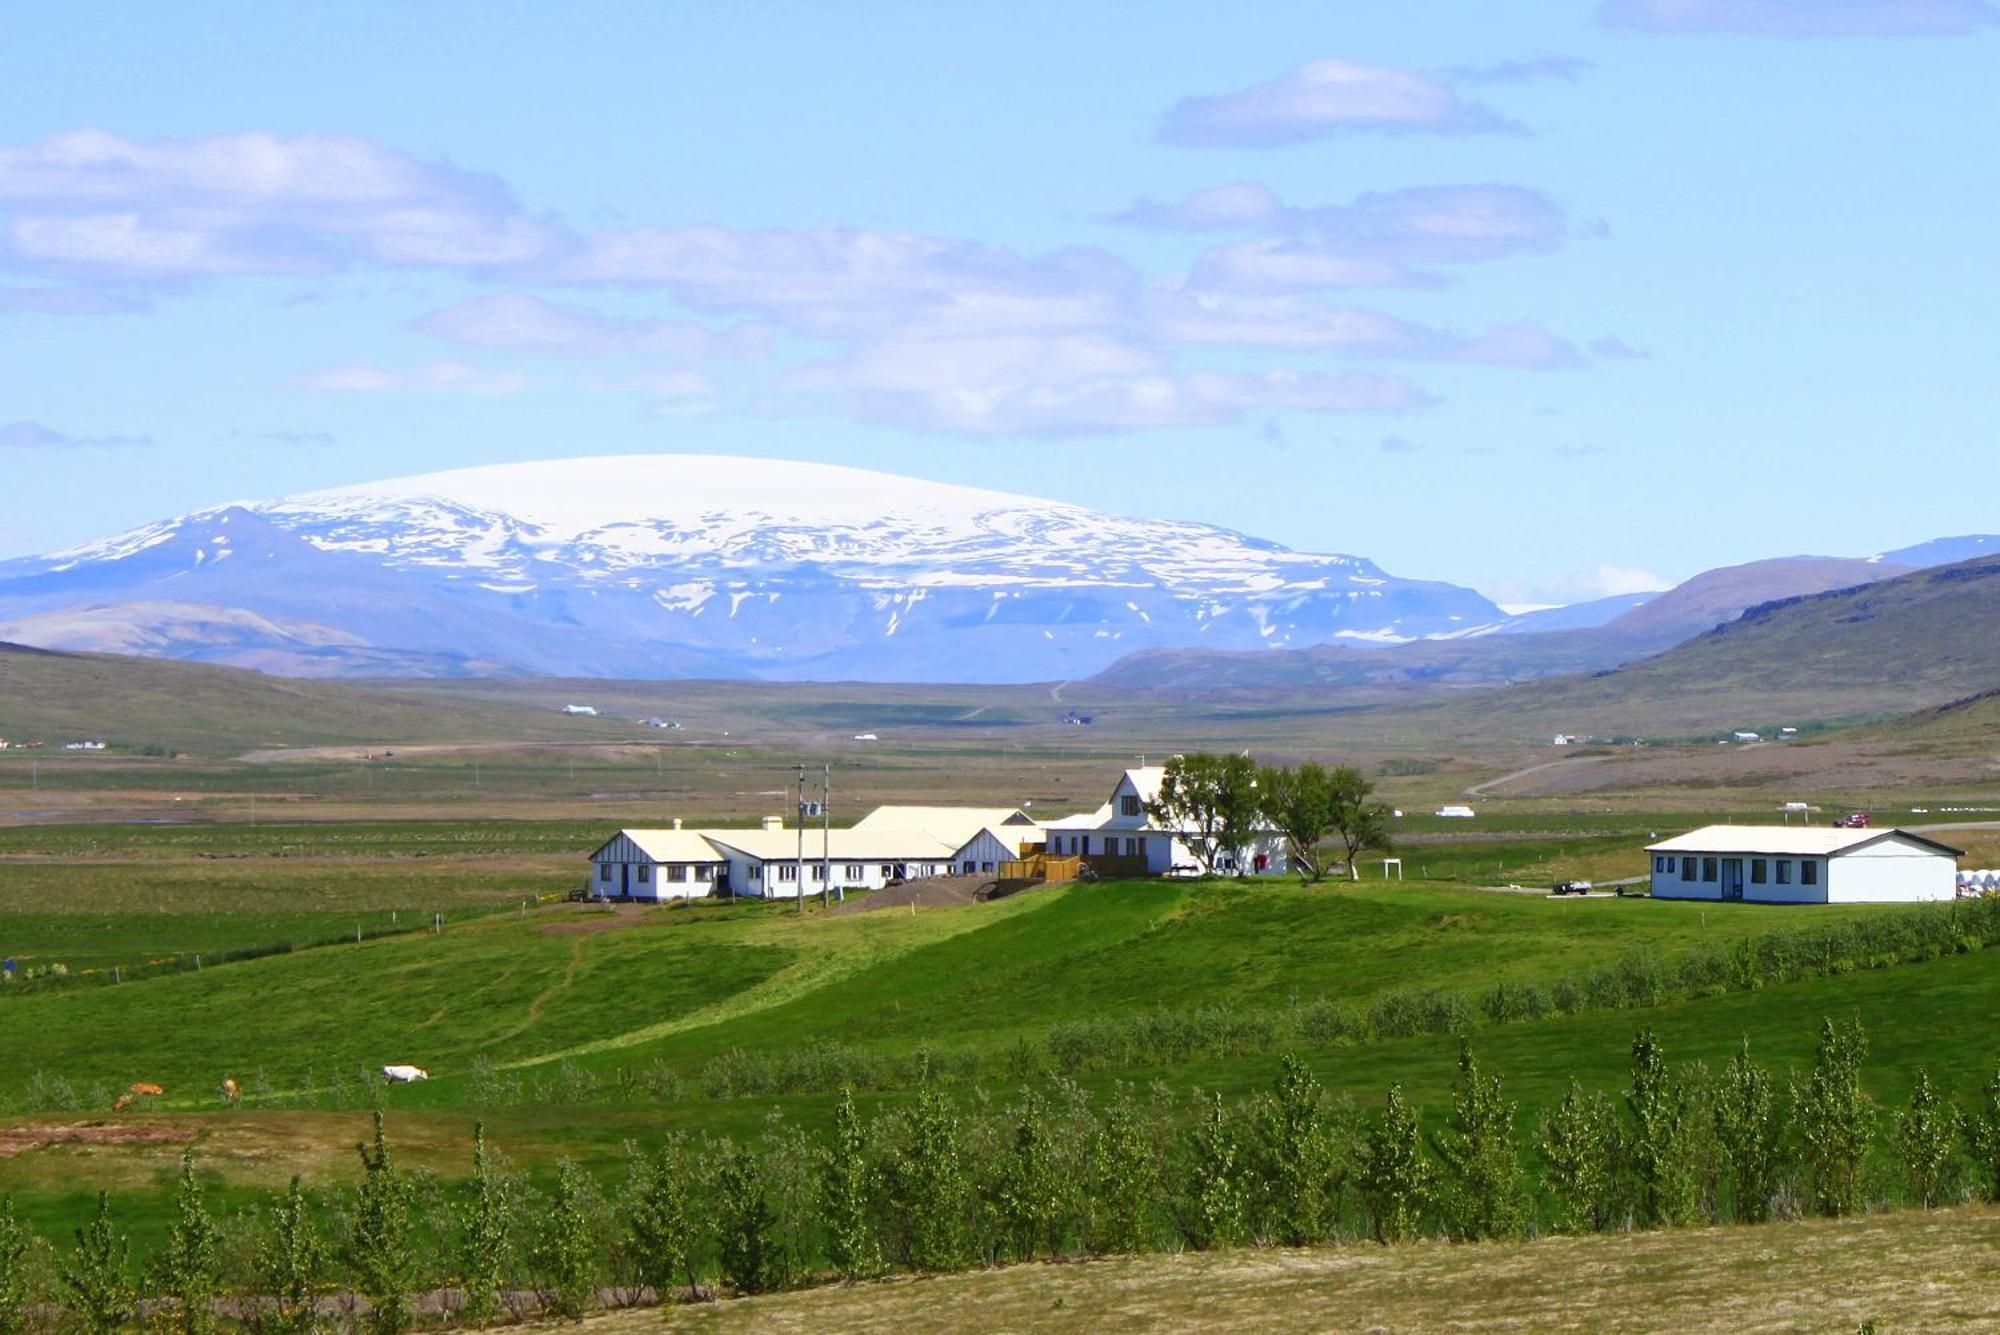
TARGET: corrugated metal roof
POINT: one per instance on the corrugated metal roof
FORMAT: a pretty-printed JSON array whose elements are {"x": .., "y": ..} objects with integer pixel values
[
  {"x": 1797, "y": 841},
  {"x": 853, "y": 845},
  {"x": 954, "y": 825},
  {"x": 674, "y": 845}
]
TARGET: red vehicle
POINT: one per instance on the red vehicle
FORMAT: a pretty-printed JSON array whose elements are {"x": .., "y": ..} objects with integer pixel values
[{"x": 1853, "y": 820}]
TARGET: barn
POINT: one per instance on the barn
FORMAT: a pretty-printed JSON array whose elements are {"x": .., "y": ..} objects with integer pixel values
[{"x": 1774, "y": 864}]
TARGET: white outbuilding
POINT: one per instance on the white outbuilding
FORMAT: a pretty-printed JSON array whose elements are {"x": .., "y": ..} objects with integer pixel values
[{"x": 1774, "y": 864}]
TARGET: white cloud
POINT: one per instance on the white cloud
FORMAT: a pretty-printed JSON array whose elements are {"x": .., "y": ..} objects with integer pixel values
[
  {"x": 26, "y": 435},
  {"x": 1582, "y": 586},
  {"x": 1325, "y": 97},
  {"x": 434, "y": 378},
  {"x": 1804, "y": 18},
  {"x": 517, "y": 320},
  {"x": 92, "y": 203}
]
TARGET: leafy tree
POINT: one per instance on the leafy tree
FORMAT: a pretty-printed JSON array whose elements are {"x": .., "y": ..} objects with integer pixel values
[
  {"x": 1579, "y": 1141},
  {"x": 1035, "y": 1183},
  {"x": 928, "y": 1187},
  {"x": 380, "y": 1253},
  {"x": 97, "y": 1273},
  {"x": 1749, "y": 1134},
  {"x": 486, "y": 1235},
  {"x": 565, "y": 1250},
  {"x": 1214, "y": 1195},
  {"x": 1395, "y": 1175},
  {"x": 291, "y": 1261},
  {"x": 1927, "y": 1140},
  {"x": 1299, "y": 803},
  {"x": 1295, "y": 1159},
  {"x": 1211, "y": 802},
  {"x": 17, "y": 1287},
  {"x": 1125, "y": 1172},
  {"x": 1982, "y": 1134},
  {"x": 1359, "y": 824},
  {"x": 662, "y": 1219},
  {"x": 848, "y": 1190},
  {"x": 1663, "y": 1130},
  {"x": 187, "y": 1270},
  {"x": 1835, "y": 1119},
  {"x": 1482, "y": 1167},
  {"x": 745, "y": 1227}
]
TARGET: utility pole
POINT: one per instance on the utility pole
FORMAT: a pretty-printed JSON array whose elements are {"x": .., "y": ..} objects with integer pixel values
[
  {"x": 799, "y": 868},
  {"x": 826, "y": 835}
]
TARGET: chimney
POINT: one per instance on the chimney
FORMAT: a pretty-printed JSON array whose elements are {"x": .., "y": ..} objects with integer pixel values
[
  {"x": 774, "y": 822},
  {"x": 677, "y": 822}
]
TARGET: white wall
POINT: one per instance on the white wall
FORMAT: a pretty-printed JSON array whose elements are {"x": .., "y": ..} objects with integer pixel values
[
  {"x": 1892, "y": 872},
  {"x": 1669, "y": 885}
]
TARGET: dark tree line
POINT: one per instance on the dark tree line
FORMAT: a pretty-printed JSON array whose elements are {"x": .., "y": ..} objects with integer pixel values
[{"x": 1222, "y": 802}]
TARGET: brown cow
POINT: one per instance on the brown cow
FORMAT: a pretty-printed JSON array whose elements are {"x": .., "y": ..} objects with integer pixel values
[
  {"x": 145, "y": 1088},
  {"x": 231, "y": 1091}
]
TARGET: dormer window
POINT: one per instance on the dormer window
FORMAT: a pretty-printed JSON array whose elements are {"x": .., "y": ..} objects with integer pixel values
[{"x": 1128, "y": 805}]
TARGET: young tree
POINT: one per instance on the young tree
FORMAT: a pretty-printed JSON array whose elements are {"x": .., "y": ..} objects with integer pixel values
[
  {"x": 928, "y": 1188},
  {"x": 291, "y": 1261},
  {"x": 1835, "y": 1119},
  {"x": 662, "y": 1225},
  {"x": 744, "y": 1224},
  {"x": 187, "y": 1270},
  {"x": 1211, "y": 801},
  {"x": 17, "y": 1288},
  {"x": 1663, "y": 1132},
  {"x": 848, "y": 1190},
  {"x": 1214, "y": 1198},
  {"x": 1295, "y": 1157},
  {"x": 1982, "y": 1134},
  {"x": 1358, "y": 823},
  {"x": 380, "y": 1253},
  {"x": 1482, "y": 1167},
  {"x": 1927, "y": 1138},
  {"x": 1299, "y": 803},
  {"x": 1035, "y": 1189},
  {"x": 566, "y": 1250},
  {"x": 1579, "y": 1141},
  {"x": 1125, "y": 1176},
  {"x": 96, "y": 1274},
  {"x": 1395, "y": 1175},
  {"x": 486, "y": 1235},
  {"x": 1749, "y": 1133}
]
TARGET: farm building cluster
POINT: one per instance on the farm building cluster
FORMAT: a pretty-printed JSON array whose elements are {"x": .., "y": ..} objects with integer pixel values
[
  {"x": 904, "y": 843},
  {"x": 1776, "y": 864}
]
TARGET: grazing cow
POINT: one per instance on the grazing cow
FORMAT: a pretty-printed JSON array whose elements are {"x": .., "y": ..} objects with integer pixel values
[
  {"x": 403, "y": 1075},
  {"x": 145, "y": 1089},
  {"x": 231, "y": 1091}
]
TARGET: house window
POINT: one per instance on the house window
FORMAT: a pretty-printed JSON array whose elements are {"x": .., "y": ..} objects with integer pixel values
[
  {"x": 968, "y": 866},
  {"x": 888, "y": 870},
  {"x": 1784, "y": 871},
  {"x": 1758, "y": 868},
  {"x": 854, "y": 871},
  {"x": 756, "y": 871},
  {"x": 986, "y": 866},
  {"x": 788, "y": 871},
  {"x": 819, "y": 871},
  {"x": 677, "y": 872},
  {"x": 1128, "y": 805},
  {"x": 1808, "y": 872},
  {"x": 1139, "y": 846},
  {"x": 1687, "y": 869},
  {"x": 1708, "y": 869},
  {"x": 603, "y": 871},
  {"x": 645, "y": 872}
]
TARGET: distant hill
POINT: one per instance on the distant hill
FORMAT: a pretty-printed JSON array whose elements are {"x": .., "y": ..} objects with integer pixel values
[
  {"x": 1649, "y": 624},
  {"x": 1919, "y": 640},
  {"x": 136, "y": 702},
  {"x": 1945, "y": 551}
]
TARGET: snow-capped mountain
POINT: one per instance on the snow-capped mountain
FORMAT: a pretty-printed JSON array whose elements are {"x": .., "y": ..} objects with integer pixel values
[{"x": 670, "y": 565}]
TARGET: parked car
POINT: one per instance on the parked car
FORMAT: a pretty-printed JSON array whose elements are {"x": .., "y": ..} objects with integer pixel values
[
  {"x": 1853, "y": 820},
  {"x": 1572, "y": 887}
]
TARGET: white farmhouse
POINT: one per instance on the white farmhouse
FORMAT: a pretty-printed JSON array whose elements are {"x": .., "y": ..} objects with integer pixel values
[
  {"x": 657, "y": 865},
  {"x": 1122, "y": 832},
  {"x": 1779, "y": 865},
  {"x": 981, "y": 837}
]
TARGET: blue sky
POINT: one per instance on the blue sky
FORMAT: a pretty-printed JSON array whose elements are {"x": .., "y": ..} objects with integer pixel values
[{"x": 1553, "y": 299}]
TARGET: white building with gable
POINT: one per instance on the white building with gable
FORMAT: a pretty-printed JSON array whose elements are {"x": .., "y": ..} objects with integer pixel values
[
  {"x": 1774, "y": 864},
  {"x": 1123, "y": 832}
]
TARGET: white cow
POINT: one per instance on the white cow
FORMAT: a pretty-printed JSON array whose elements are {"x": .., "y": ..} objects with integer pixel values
[{"x": 403, "y": 1075}]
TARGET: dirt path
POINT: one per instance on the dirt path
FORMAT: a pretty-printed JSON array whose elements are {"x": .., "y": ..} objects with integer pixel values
[{"x": 1479, "y": 788}]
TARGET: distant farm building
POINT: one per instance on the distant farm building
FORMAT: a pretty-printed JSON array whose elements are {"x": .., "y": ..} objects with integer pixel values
[
  {"x": 1456, "y": 811},
  {"x": 587, "y": 711},
  {"x": 1775, "y": 864},
  {"x": 1122, "y": 837}
]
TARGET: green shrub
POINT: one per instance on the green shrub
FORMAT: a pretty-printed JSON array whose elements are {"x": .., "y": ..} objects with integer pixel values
[
  {"x": 1579, "y": 1142},
  {"x": 745, "y": 1243},
  {"x": 1927, "y": 1142},
  {"x": 1835, "y": 1119},
  {"x": 848, "y": 1192},
  {"x": 290, "y": 1262},
  {"x": 96, "y": 1274},
  {"x": 381, "y": 1250},
  {"x": 1982, "y": 1134},
  {"x": 662, "y": 1222},
  {"x": 18, "y": 1289},
  {"x": 187, "y": 1270},
  {"x": 565, "y": 1255},
  {"x": 1749, "y": 1134},
  {"x": 1395, "y": 1175},
  {"x": 1482, "y": 1168}
]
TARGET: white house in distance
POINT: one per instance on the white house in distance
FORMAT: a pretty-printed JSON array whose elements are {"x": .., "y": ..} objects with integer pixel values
[
  {"x": 889, "y": 844},
  {"x": 1121, "y": 829},
  {"x": 1778, "y": 865}
]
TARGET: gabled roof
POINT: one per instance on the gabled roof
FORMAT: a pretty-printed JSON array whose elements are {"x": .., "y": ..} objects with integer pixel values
[
  {"x": 1786, "y": 841},
  {"x": 1010, "y": 837},
  {"x": 669, "y": 845},
  {"x": 955, "y": 825},
  {"x": 850, "y": 845}
]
